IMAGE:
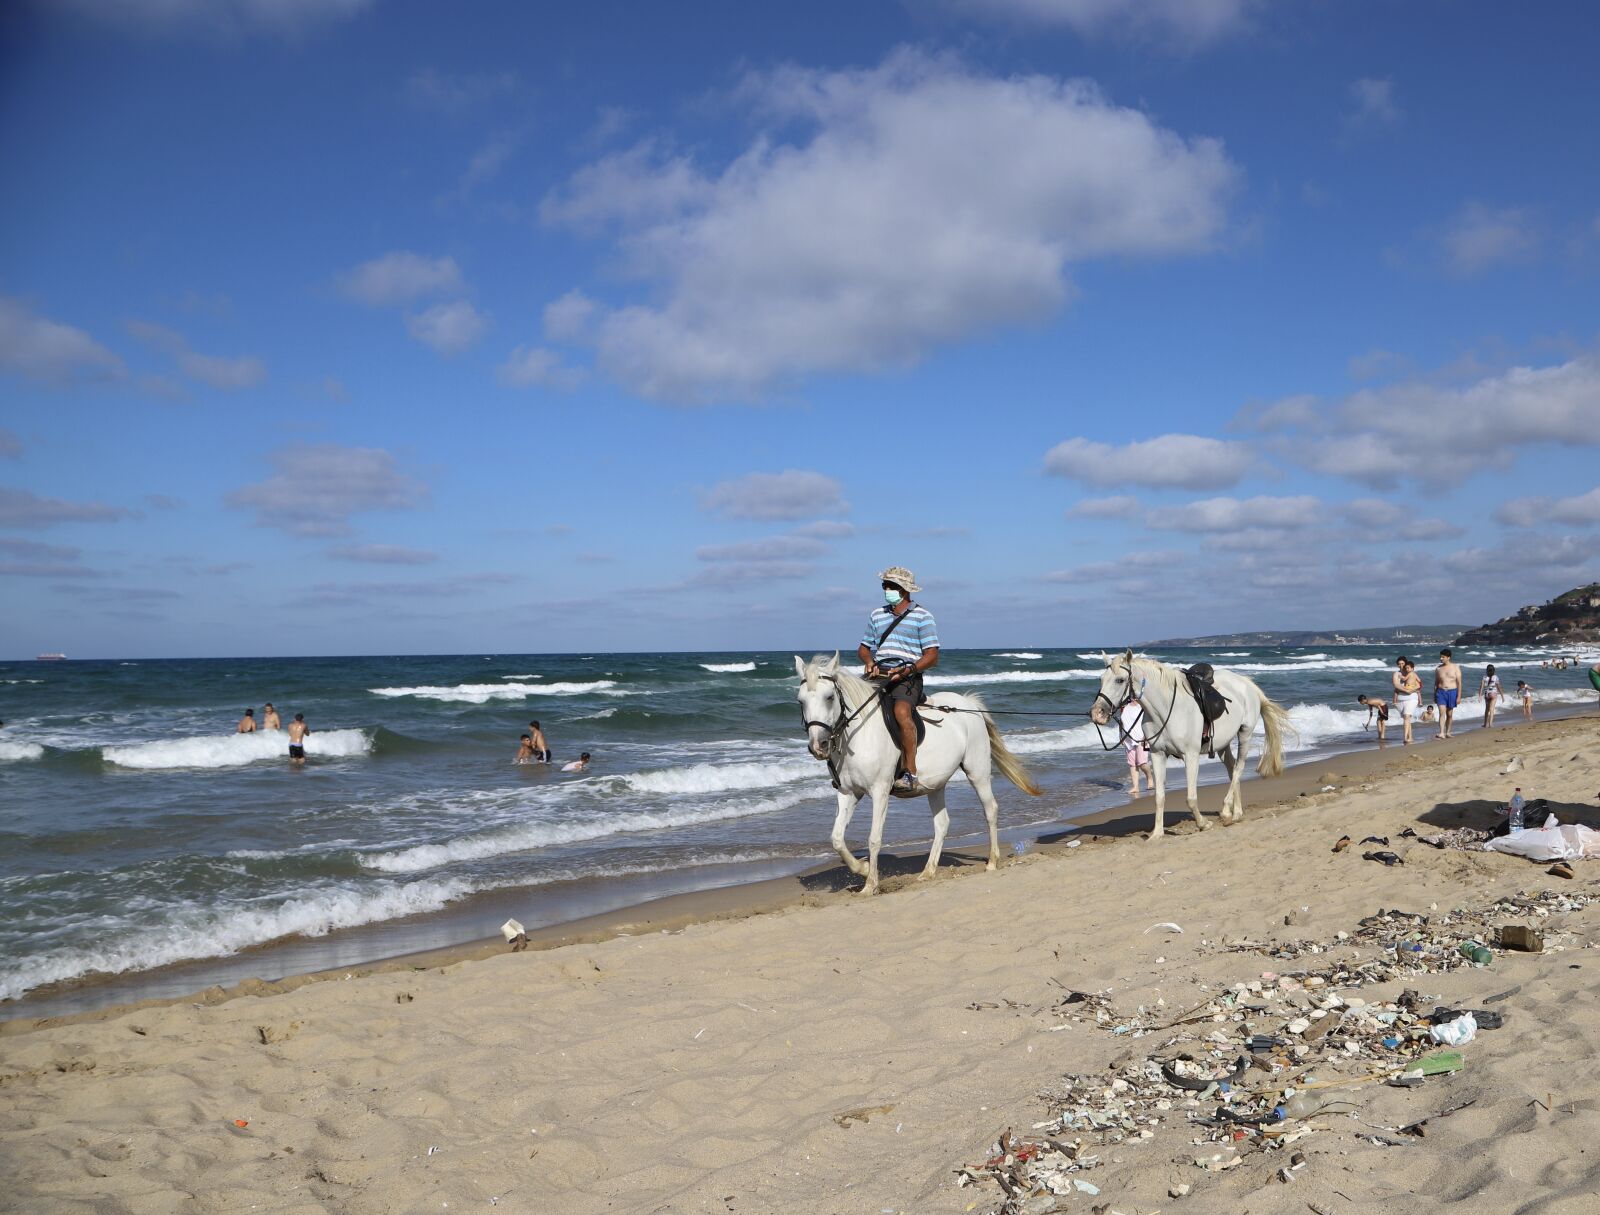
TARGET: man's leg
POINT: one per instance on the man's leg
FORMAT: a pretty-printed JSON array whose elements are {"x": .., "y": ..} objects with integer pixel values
[{"x": 904, "y": 714}]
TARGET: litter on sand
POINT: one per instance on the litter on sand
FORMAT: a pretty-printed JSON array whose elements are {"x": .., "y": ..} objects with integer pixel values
[{"x": 1168, "y": 925}]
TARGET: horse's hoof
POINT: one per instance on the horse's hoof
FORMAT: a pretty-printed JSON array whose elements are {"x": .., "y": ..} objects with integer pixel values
[
  {"x": 924, "y": 875},
  {"x": 1154, "y": 835},
  {"x": 991, "y": 867}
]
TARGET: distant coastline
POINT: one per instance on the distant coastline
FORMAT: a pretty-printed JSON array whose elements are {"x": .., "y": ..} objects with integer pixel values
[{"x": 1412, "y": 634}]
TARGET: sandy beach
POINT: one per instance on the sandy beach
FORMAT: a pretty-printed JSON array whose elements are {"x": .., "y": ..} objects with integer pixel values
[{"x": 797, "y": 1048}]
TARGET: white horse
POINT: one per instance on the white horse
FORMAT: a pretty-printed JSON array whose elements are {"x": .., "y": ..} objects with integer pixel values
[
  {"x": 1172, "y": 727},
  {"x": 844, "y": 726}
]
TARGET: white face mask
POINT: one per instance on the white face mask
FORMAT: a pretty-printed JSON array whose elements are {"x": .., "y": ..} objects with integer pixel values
[{"x": 892, "y": 597}]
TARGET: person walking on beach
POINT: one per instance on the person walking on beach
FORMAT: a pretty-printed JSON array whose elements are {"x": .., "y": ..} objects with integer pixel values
[
  {"x": 1407, "y": 693},
  {"x": 577, "y": 765},
  {"x": 1525, "y": 692},
  {"x": 1489, "y": 689},
  {"x": 1133, "y": 742},
  {"x": 541, "y": 744},
  {"x": 297, "y": 739},
  {"x": 1446, "y": 692},
  {"x": 1377, "y": 707},
  {"x": 269, "y": 718},
  {"x": 247, "y": 723},
  {"x": 901, "y": 642}
]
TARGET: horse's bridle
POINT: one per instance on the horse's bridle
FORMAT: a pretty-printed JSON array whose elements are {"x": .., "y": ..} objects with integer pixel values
[
  {"x": 1125, "y": 729},
  {"x": 838, "y": 726}
]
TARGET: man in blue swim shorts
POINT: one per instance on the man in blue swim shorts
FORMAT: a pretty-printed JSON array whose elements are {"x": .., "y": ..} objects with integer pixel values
[{"x": 1446, "y": 691}]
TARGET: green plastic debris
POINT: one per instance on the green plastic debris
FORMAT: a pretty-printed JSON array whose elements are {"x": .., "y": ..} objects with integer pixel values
[{"x": 1439, "y": 1063}]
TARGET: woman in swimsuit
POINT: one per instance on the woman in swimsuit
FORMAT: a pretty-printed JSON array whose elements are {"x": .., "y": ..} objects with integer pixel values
[{"x": 1489, "y": 689}]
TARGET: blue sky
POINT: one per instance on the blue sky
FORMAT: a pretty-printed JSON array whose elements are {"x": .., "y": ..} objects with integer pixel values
[{"x": 350, "y": 326}]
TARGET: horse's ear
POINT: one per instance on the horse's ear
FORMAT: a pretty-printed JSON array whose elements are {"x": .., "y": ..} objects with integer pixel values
[
  {"x": 1105, "y": 659},
  {"x": 800, "y": 666},
  {"x": 1128, "y": 656},
  {"x": 833, "y": 664}
]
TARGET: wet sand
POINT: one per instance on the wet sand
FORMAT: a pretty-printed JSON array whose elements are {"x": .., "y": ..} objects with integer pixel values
[{"x": 699, "y": 1053}]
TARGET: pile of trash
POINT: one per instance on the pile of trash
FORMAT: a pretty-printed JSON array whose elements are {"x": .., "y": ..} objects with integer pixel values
[{"x": 1268, "y": 1061}]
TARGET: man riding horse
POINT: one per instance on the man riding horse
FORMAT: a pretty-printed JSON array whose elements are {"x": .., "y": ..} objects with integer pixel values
[{"x": 901, "y": 642}]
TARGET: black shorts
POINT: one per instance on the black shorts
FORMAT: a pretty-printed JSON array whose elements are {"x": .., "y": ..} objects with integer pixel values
[
  {"x": 296, "y": 751},
  {"x": 908, "y": 689}
]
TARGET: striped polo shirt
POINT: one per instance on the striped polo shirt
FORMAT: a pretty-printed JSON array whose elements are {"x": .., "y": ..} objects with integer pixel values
[{"x": 917, "y": 632}]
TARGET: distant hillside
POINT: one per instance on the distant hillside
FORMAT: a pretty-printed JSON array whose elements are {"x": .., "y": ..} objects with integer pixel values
[
  {"x": 1411, "y": 634},
  {"x": 1573, "y": 617}
]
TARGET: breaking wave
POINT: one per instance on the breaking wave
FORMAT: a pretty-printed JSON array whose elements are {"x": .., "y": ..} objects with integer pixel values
[
  {"x": 481, "y": 693},
  {"x": 10, "y": 751},
  {"x": 722, "y": 778},
  {"x": 528, "y": 836},
  {"x": 215, "y": 930},
  {"x": 234, "y": 750},
  {"x": 727, "y": 667},
  {"x": 1020, "y": 654}
]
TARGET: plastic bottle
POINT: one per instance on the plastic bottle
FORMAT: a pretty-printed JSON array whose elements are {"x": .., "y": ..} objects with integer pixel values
[
  {"x": 1476, "y": 951},
  {"x": 1304, "y": 1104},
  {"x": 1516, "y": 810}
]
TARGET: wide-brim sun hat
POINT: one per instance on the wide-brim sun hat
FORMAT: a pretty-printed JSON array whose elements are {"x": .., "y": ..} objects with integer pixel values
[{"x": 901, "y": 577}]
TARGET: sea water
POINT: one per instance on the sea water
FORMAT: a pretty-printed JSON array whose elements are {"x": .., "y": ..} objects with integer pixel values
[{"x": 141, "y": 837}]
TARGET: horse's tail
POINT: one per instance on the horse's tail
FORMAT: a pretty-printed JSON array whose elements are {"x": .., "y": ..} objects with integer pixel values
[
  {"x": 1277, "y": 725},
  {"x": 1010, "y": 766}
]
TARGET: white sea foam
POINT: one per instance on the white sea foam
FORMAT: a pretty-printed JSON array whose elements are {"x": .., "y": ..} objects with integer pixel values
[
  {"x": 234, "y": 750},
  {"x": 526, "y": 836},
  {"x": 1319, "y": 662},
  {"x": 1233, "y": 653},
  {"x": 1011, "y": 677},
  {"x": 1018, "y": 654},
  {"x": 481, "y": 693},
  {"x": 723, "y": 778},
  {"x": 1074, "y": 738},
  {"x": 727, "y": 667},
  {"x": 529, "y": 675},
  {"x": 1315, "y": 724},
  {"x": 10, "y": 751},
  {"x": 600, "y": 716},
  {"x": 218, "y": 929}
]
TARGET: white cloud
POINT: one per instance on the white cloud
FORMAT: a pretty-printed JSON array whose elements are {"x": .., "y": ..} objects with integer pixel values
[
  {"x": 792, "y": 494},
  {"x": 223, "y": 373},
  {"x": 400, "y": 278},
  {"x": 538, "y": 366},
  {"x": 448, "y": 328},
  {"x": 1183, "y": 24},
  {"x": 284, "y": 17},
  {"x": 1374, "y": 102},
  {"x": 50, "y": 352},
  {"x": 1479, "y": 237},
  {"x": 1580, "y": 510},
  {"x": 486, "y": 163},
  {"x": 382, "y": 554},
  {"x": 1438, "y": 434},
  {"x": 1126, "y": 566},
  {"x": 1170, "y": 461},
  {"x": 769, "y": 548},
  {"x": 1380, "y": 520},
  {"x": 318, "y": 486},
  {"x": 886, "y": 212},
  {"x": 454, "y": 92},
  {"x": 826, "y": 529},
  {"x": 1238, "y": 514},
  {"x": 1105, "y": 508},
  {"x": 23, "y": 509},
  {"x": 570, "y": 318}
]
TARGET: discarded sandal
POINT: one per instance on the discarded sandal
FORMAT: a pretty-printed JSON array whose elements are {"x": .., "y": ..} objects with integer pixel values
[
  {"x": 1408, "y": 834},
  {"x": 1376, "y": 839},
  {"x": 1344, "y": 842},
  {"x": 1388, "y": 858},
  {"x": 1561, "y": 870}
]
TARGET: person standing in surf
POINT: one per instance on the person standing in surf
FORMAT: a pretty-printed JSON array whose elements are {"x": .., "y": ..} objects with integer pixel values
[
  {"x": 269, "y": 718},
  {"x": 901, "y": 642},
  {"x": 541, "y": 744},
  {"x": 247, "y": 723},
  {"x": 297, "y": 739}
]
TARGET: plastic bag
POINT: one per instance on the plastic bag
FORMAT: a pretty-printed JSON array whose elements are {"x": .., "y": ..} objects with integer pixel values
[
  {"x": 1456, "y": 1033},
  {"x": 1552, "y": 842}
]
